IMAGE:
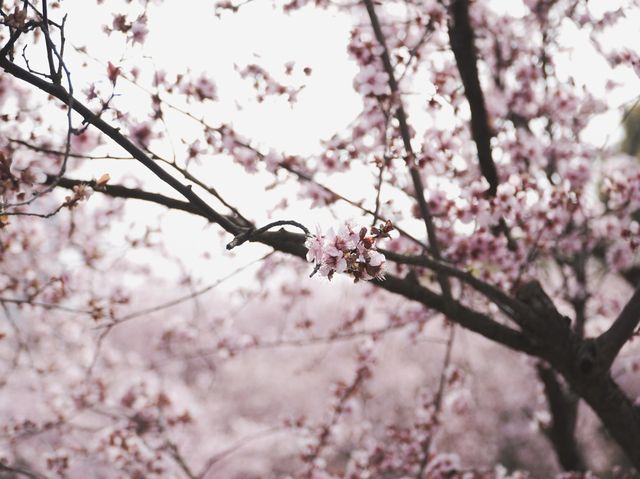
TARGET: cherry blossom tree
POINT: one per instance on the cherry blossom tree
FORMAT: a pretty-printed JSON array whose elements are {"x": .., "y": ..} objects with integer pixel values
[{"x": 466, "y": 201}]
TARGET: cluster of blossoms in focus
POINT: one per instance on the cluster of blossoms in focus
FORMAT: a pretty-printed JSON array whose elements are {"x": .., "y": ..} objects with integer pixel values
[
  {"x": 349, "y": 251},
  {"x": 83, "y": 191}
]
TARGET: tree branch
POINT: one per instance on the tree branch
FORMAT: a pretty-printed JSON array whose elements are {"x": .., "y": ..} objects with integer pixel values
[
  {"x": 293, "y": 243},
  {"x": 520, "y": 313},
  {"x": 59, "y": 92},
  {"x": 563, "y": 408},
  {"x": 17, "y": 471},
  {"x": 609, "y": 343},
  {"x": 50, "y": 151},
  {"x": 251, "y": 233},
  {"x": 464, "y": 50},
  {"x": 617, "y": 412},
  {"x": 119, "y": 191},
  {"x": 53, "y": 73},
  {"x": 458, "y": 313}
]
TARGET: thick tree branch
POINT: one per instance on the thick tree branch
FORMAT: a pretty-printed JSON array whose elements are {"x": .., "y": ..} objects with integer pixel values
[
  {"x": 293, "y": 243},
  {"x": 520, "y": 313},
  {"x": 617, "y": 412},
  {"x": 609, "y": 343},
  {"x": 464, "y": 50},
  {"x": 563, "y": 408},
  {"x": 459, "y": 313},
  {"x": 632, "y": 275}
]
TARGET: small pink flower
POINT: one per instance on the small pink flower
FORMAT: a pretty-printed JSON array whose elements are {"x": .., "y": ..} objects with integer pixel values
[
  {"x": 84, "y": 143},
  {"x": 376, "y": 259},
  {"x": 371, "y": 81},
  {"x": 247, "y": 158},
  {"x": 141, "y": 133},
  {"x": 139, "y": 30},
  {"x": 349, "y": 237},
  {"x": 272, "y": 161},
  {"x": 315, "y": 247},
  {"x": 205, "y": 89},
  {"x": 620, "y": 255},
  {"x": 333, "y": 264},
  {"x": 318, "y": 195}
]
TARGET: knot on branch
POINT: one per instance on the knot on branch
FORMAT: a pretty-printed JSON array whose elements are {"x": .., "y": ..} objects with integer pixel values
[
  {"x": 533, "y": 295},
  {"x": 252, "y": 233},
  {"x": 538, "y": 315},
  {"x": 241, "y": 238},
  {"x": 587, "y": 356}
]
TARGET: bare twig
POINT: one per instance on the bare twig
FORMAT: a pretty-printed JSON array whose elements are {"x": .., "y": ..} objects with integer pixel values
[{"x": 426, "y": 447}]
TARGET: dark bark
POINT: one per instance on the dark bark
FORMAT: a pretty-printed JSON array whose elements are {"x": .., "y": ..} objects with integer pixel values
[
  {"x": 563, "y": 406},
  {"x": 609, "y": 343},
  {"x": 616, "y": 411},
  {"x": 464, "y": 50}
]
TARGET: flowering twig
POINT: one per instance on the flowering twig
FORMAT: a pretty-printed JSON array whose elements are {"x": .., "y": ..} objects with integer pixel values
[
  {"x": 348, "y": 251},
  {"x": 406, "y": 141}
]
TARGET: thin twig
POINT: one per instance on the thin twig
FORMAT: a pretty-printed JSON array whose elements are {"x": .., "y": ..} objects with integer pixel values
[{"x": 406, "y": 140}]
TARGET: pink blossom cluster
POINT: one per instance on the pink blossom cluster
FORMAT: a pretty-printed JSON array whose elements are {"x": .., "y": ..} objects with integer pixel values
[
  {"x": 349, "y": 251},
  {"x": 201, "y": 89},
  {"x": 135, "y": 30},
  {"x": 81, "y": 192},
  {"x": 319, "y": 196},
  {"x": 85, "y": 142},
  {"x": 372, "y": 81},
  {"x": 242, "y": 154},
  {"x": 265, "y": 85},
  {"x": 142, "y": 133}
]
